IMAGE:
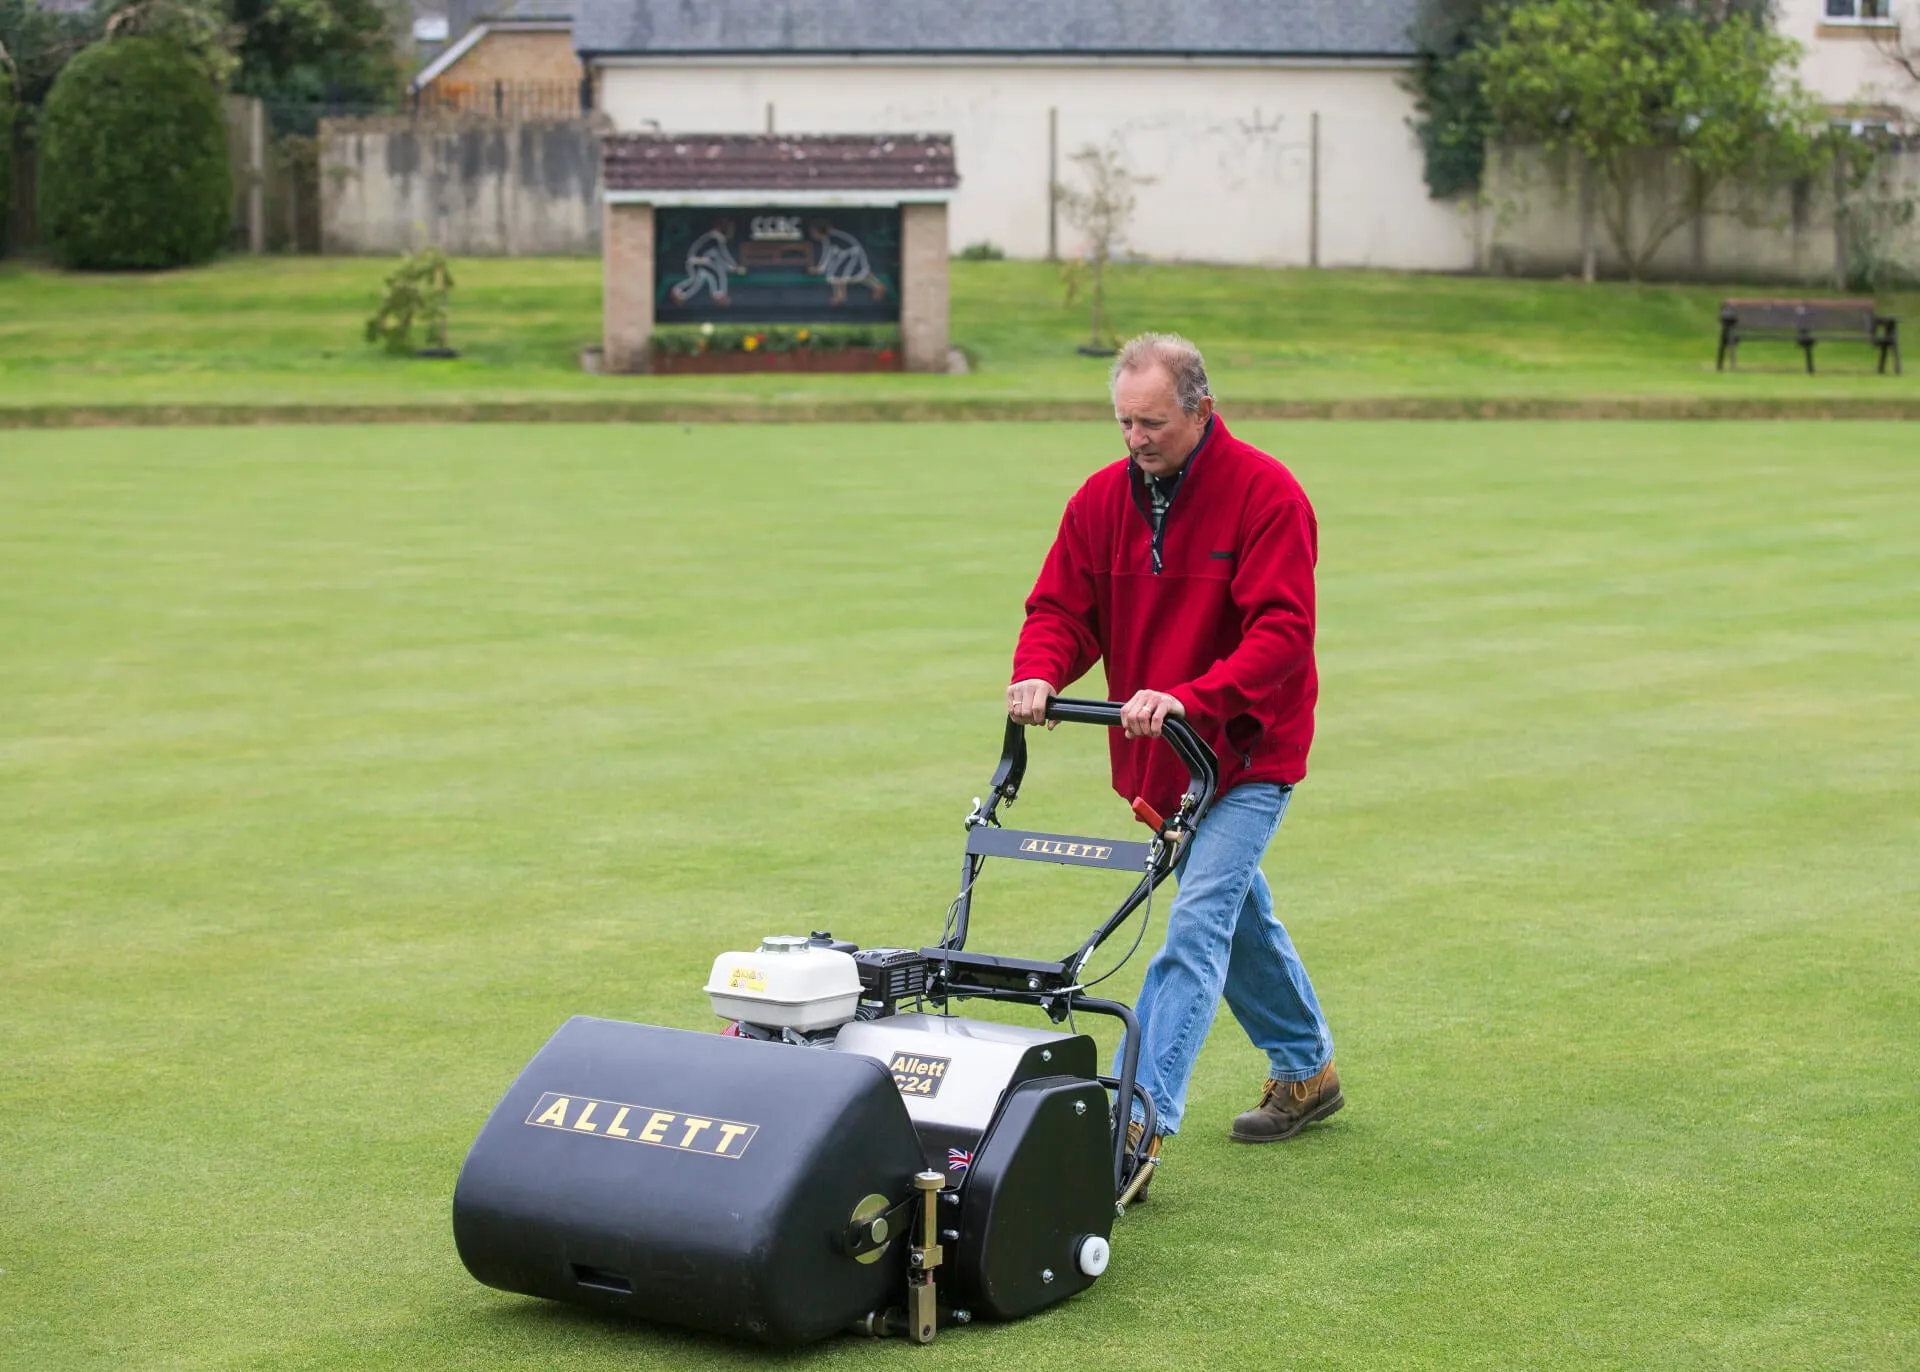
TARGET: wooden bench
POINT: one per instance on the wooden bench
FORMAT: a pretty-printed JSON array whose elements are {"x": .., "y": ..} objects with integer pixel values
[{"x": 1805, "y": 322}]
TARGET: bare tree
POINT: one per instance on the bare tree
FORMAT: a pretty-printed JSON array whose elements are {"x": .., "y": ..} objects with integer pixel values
[
  {"x": 1100, "y": 210},
  {"x": 1900, "y": 46}
]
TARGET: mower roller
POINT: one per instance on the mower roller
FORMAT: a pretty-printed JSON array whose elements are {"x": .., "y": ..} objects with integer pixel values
[{"x": 849, "y": 1154}]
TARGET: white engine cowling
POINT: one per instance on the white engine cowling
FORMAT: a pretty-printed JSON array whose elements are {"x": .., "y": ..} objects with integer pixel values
[{"x": 787, "y": 983}]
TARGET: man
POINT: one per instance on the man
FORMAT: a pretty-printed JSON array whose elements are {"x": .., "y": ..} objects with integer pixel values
[
  {"x": 843, "y": 261},
  {"x": 710, "y": 264},
  {"x": 1188, "y": 569}
]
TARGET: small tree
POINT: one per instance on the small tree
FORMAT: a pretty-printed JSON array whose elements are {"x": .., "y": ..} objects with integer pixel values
[
  {"x": 1627, "y": 88},
  {"x": 1101, "y": 211},
  {"x": 133, "y": 158},
  {"x": 416, "y": 294}
]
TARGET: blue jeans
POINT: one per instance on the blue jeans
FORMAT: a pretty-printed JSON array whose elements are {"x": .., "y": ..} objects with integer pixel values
[{"x": 1222, "y": 936}]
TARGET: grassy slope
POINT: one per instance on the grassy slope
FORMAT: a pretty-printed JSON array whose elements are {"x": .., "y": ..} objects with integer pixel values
[
  {"x": 338, "y": 766},
  {"x": 287, "y": 331}
]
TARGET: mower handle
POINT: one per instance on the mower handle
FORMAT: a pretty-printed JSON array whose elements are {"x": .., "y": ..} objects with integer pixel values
[
  {"x": 1203, "y": 768},
  {"x": 1055, "y": 987}
]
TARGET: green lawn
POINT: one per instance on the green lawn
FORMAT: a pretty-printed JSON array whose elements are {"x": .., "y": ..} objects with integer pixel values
[
  {"x": 338, "y": 766},
  {"x": 287, "y": 332}
]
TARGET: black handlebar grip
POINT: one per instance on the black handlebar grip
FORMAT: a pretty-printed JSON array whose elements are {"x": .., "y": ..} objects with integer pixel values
[{"x": 1192, "y": 750}]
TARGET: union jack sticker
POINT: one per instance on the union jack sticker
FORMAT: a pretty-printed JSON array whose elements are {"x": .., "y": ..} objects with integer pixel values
[{"x": 959, "y": 1159}]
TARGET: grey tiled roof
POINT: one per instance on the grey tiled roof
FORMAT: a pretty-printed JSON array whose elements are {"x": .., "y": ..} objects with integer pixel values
[
  {"x": 1327, "y": 28},
  {"x": 775, "y": 162}
]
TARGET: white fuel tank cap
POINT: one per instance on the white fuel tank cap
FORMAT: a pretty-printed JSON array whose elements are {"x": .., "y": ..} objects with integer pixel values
[{"x": 1093, "y": 1255}]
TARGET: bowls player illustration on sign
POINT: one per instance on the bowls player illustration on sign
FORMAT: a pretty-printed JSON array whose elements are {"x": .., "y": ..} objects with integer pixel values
[
  {"x": 775, "y": 264},
  {"x": 710, "y": 264},
  {"x": 843, "y": 261}
]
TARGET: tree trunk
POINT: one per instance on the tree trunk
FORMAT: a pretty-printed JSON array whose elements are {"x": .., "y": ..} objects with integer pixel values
[
  {"x": 1587, "y": 262},
  {"x": 1699, "y": 217},
  {"x": 1839, "y": 222},
  {"x": 1099, "y": 323}
]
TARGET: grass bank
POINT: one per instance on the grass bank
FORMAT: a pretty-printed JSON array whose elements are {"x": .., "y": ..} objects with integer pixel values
[
  {"x": 279, "y": 340},
  {"x": 338, "y": 767}
]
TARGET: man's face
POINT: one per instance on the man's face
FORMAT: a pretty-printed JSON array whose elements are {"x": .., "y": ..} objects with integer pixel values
[{"x": 1159, "y": 434}]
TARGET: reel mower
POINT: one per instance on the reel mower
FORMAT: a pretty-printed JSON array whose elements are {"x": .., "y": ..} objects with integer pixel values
[{"x": 850, "y": 1154}]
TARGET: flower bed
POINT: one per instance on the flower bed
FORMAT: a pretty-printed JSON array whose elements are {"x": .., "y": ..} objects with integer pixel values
[
  {"x": 775, "y": 348},
  {"x": 845, "y": 360}
]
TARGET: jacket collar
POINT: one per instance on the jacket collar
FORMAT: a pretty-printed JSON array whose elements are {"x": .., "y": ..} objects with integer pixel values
[{"x": 1216, "y": 428}]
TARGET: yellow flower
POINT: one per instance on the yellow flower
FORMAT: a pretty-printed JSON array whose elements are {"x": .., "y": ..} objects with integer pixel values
[
  {"x": 802, "y": 335},
  {"x": 751, "y": 343}
]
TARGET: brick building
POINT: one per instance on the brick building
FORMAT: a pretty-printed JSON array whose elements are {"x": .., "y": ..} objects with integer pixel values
[{"x": 515, "y": 59}]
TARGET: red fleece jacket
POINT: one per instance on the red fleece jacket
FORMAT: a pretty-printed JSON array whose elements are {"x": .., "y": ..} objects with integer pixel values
[{"x": 1225, "y": 625}]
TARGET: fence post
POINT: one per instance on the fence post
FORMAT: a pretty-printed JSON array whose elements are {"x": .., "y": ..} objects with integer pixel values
[
  {"x": 257, "y": 177},
  {"x": 1053, "y": 183},
  {"x": 1313, "y": 190}
]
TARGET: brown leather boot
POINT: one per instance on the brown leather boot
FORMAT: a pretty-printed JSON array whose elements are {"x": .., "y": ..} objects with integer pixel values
[
  {"x": 1134, "y": 1130},
  {"x": 1287, "y": 1107}
]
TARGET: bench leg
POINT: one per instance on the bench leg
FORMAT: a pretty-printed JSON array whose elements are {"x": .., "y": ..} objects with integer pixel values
[
  {"x": 1720, "y": 358},
  {"x": 1806, "y": 346}
]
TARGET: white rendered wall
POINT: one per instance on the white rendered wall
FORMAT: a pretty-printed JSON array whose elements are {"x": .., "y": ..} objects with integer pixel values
[
  {"x": 1845, "y": 63},
  {"x": 1228, "y": 147}
]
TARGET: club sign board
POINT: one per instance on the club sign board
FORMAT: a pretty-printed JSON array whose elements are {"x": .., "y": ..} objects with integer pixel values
[{"x": 758, "y": 264}]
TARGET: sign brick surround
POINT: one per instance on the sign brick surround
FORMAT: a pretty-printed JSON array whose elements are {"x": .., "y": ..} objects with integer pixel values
[{"x": 776, "y": 229}]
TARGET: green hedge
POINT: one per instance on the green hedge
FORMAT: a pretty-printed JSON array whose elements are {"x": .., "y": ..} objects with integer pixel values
[{"x": 133, "y": 160}]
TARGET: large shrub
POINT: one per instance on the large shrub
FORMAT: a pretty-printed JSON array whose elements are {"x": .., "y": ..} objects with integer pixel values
[{"x": 133, "y": 159}]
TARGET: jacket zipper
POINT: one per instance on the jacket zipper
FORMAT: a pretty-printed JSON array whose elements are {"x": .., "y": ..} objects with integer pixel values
[{"x": 1143, "y": 502}]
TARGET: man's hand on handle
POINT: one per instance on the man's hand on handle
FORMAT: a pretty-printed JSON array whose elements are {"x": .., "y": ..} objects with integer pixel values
[
  {"x": 1147, "y": 711},
  {"x": 1027, "y": 702}
]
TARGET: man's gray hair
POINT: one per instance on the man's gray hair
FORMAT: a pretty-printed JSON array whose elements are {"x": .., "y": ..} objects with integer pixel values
[{"x": 1181, "y": 359}]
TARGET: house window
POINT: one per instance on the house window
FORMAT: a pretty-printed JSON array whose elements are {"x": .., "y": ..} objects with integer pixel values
[{"x": 1859, "y": 11}]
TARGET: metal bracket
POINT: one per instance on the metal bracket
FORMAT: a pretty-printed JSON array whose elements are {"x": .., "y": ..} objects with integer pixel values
[
  {"x": 922, "y": 1258},
  {"x": 871, "y": 1235}
]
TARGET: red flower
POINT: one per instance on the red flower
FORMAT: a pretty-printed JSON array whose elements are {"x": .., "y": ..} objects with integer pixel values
[{"x": 886, "y": 354}]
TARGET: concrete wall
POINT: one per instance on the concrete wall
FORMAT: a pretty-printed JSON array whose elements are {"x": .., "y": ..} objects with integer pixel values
[
  {"x": 1230, "y": 146},
  {"x": 477, "y": 187},
  {"x": 1533, "y": 219}
]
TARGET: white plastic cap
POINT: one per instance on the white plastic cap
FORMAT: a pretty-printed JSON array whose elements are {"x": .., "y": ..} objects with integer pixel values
[{"x": 1093, "y": 1255}]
